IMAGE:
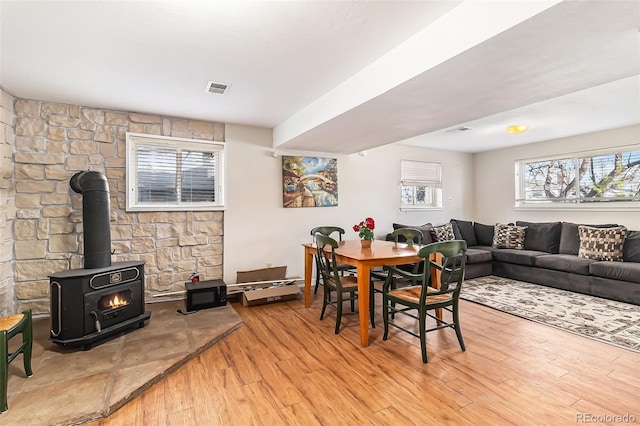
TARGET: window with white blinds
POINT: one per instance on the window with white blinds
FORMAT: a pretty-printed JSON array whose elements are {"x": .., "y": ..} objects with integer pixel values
[
  {"x": 174, "y": 174},
  {"x": 602, "y": 179},
  {"x": 421, "y": 185}
]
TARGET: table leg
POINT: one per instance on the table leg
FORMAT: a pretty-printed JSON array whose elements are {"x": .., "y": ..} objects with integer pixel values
[
  {"x": 363, "y": 303},
  {"x": 308, "y": 268}
]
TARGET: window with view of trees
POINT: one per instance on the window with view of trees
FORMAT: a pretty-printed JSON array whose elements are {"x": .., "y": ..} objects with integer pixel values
[
  {"x": 587, "y": 178},
  {"x": 421, "y": 185},
  {"x": 174, "y": 174}
]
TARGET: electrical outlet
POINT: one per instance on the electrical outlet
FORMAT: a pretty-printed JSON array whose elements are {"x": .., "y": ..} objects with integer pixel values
[{"x": 268, "y": 265}]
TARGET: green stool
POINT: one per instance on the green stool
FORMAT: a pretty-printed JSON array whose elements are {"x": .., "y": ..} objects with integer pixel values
[{"x": 9, "y": 327}]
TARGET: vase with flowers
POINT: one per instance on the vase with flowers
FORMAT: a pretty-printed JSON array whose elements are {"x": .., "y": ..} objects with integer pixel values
[{"x": 365, "y": 231}]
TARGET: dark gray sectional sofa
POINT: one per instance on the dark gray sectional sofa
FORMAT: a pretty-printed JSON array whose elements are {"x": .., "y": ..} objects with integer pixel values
[{"x": 550, "y": 258}]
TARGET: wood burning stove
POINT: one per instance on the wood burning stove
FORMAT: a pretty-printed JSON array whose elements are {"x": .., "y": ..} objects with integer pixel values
[{"x": 90, "y": 304}]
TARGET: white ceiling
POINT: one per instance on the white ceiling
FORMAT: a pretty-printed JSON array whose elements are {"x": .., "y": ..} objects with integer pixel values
[{"x": 338, "y": 76}]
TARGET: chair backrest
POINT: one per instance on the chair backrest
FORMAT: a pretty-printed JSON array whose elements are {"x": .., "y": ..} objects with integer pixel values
[
  {"x": 327, "y": 231},
  {"x": 411, "y": 235},
  {"x": 451, "y": 265},
  {"x": 327, "y": 258}
]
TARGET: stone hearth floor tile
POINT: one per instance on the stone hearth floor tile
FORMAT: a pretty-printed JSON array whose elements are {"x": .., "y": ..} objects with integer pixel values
[
  {"x": 85, "y": 363},
  {"x": 140, "y": 378},
  {"x": 71, "y": 386},
  {"x": 201, "y": 337},
  {"x": 161, "y": 346},
  {"x": 216, "y": 316},
  {"x": 52, "y": 404}
]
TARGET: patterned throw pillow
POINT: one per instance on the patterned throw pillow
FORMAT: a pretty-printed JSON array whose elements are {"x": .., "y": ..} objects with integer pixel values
[
  {"x": 442, "y": 233},
  {"x": 601, "y": 243},
  {"x": 509, "y": 237}
]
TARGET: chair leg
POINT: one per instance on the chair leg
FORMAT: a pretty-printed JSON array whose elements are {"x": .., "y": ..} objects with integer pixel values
[
  {"x": 423, "y": 334},
  {"x": 315, "y": 291},
  {"x": 456, "y": 326},
  {"x": 315, "y": 258},
  {"x": 27, "y": 339},
  {"x": 4, "y": 370},
  {"x": 385, "y": 315},
  {"x": 325, "y": 301},
  {"x": 338, "y": 311},
  {"x": 372, "y": 305},
  {"x": 394, "y": 285}
]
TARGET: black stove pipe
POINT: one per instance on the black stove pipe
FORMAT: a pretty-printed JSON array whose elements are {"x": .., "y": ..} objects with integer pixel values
[{"x": 95, "y": 217}]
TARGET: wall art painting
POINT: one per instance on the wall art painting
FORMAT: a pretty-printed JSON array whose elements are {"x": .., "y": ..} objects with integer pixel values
[{"x": 309, "y": 181}]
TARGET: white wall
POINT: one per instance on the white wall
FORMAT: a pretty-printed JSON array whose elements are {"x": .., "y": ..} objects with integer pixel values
[
  {"x": 495, "y": 181},
  {"x": 258, "y": 230}
]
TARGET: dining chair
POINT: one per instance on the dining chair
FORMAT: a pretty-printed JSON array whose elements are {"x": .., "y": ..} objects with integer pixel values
[
  {"x": 327, "y": 231},
  {"x": 448, "y": 258},
  {"x": 9, "y": 327},
  {"x": 333, "y": 280},
  {"x": 401, "y": 235}
]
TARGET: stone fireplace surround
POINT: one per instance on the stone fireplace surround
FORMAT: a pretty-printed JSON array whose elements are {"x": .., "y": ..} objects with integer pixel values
[{"x": 43, "y": 144}]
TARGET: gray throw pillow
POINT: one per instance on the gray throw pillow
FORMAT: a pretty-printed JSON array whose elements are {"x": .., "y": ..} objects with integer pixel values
[
  {"x": 542, "y": 236},
  {"x": 484, "y": 234},
  {"x": 425, "y": 229},
  {"x": 631, "y": 249},
  {"x": 463, "y": 230}
]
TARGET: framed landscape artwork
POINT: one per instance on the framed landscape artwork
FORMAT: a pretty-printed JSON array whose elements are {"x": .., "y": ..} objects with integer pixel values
[{"x": 309, "y": 181}]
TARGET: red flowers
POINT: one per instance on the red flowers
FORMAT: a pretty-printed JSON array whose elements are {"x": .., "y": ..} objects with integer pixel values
[{"x": 365, "y": 228}]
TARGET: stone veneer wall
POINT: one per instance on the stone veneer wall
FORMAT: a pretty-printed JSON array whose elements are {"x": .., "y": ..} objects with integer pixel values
[
  {"x": 53, "y": 142},
  {"x": 7, "y": 203}
]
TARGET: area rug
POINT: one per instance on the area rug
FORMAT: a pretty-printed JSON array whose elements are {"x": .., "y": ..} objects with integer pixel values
[
  {"x": 71, "y": 386},
  {"x": 607, "y": 321}
]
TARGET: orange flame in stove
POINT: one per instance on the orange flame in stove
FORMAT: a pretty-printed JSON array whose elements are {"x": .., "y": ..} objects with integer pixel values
[{"x": 116, "y": 302}]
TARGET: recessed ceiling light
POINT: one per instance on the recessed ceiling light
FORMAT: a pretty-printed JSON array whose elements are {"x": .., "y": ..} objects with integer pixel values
[
  {"x": 217, "y": 87},
  {"x": 517, "y": 128}
]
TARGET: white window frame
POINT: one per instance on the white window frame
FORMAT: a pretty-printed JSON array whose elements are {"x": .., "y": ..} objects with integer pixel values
[
  {"x": 577, "y": 202},
  {"x": 134, "y": 140},
  {"x": 415, "y": 174}
]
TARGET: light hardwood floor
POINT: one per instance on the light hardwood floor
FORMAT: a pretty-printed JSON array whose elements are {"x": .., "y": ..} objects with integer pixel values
[{"x": 285, "y": 366}]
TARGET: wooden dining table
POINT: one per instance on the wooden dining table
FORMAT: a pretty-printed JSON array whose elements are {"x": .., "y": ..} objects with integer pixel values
[{"x": 351, "y": 252}]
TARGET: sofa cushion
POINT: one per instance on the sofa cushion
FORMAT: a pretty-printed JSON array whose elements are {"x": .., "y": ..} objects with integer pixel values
[
  {"x": 426, "y": 235},
  {"x": 484, "y": 234},
  {"x": 478, "y": 255},
  {"x": 601, "y": 243},
  {"x": 443, "y": 233},
  {"x": 517, "y": 256},
  {"x": 509, "y": 237},
  {"x": 569, "y": 238},
  {"x": 631, "y": 249},
  {"x": 624, "y": 271},
  {"x": 542, "y": 236},
  {"x": 565, "y": 263},
  {"x": 463, "y": 230}
]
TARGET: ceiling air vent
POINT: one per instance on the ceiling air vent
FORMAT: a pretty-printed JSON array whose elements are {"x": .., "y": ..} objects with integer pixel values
[
  {"x": 217, "y": 88},
  {"x": 459, "y": 129}
]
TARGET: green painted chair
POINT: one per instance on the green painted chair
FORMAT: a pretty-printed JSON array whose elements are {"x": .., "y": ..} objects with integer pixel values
[
  {"x": 423, "y": 295},
  {"x": 408, "y": 235},
  {"x": 9, "y": 327},
  {"x": 333, "y": 281},
  {"x": 327, "y": 231}
]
